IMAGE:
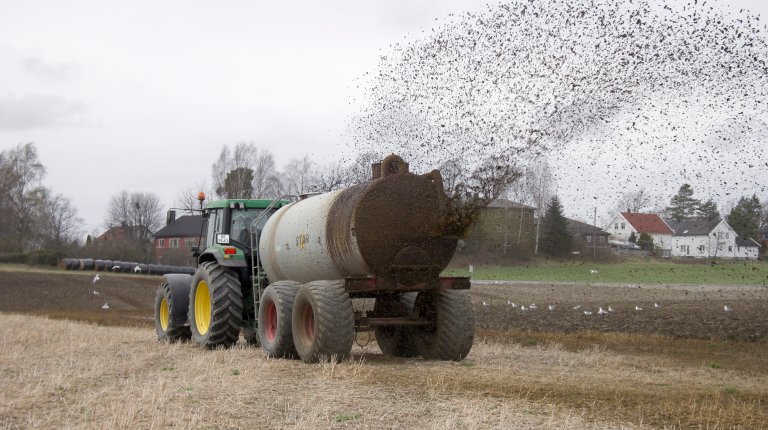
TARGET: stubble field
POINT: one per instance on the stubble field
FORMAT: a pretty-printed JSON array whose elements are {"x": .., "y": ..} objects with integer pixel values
[{"x": 65, "y": 362}]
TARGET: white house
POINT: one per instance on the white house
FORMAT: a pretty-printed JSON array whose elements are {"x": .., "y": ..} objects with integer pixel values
[
  {"x": 626, "y": 223},
  {"x": 709, "y": 239}
]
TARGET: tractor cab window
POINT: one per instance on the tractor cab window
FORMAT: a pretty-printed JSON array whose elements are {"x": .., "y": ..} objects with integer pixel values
[
  {"x": 213, "y": 226},
  {"x": 241, "y": 222}
]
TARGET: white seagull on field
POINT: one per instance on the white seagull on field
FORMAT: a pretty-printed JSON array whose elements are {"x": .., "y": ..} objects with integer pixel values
[
  {"x": 610, "y": 309},
  {"x": 601, "y": 311},
  {"x": 485, "y": 303},
  {"x": 726, "y": 308},
  {"x": 593, "y": 271},
  {"x": 105, "y": 305},
  {"x": 523, "y": 308},
  {"x": 638, "y": 308},
  {"x": 115, "y": 268},
  {"x": 587, "y": 313},
  {"x": 95, "y": 293},
  {"x": 577, "y": 307},
  {"x": 514, "y": 305},
  {"x": 96, "y": 278},
  {"x": 551, "y": 307},
  {"x": 532, "y": 306},
  {"x": 137, "y": 269},
  {"x": 656, "y": 305}
]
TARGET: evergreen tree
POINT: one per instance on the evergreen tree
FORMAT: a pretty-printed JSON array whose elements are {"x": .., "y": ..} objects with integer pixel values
[
  {"x": 632, "y": 237},
  {"x": 555, "y": 239},
  {"x": 683, "y": 205},
  {"x": 708, "y": 211},
  {"x": 744, "y": 218},
  {"x": 645, "y": 241}
]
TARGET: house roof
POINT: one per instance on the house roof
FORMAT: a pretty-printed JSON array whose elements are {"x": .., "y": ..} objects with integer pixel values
[
  {"x": 746, "y": 241},
  {"x": 184, "y": 226},
  {"x": 692, "y": 227},
  {"x": 508, "y": 204},
  {"x": 647, "y": 223},
  {"x": 581, "y": 228}
]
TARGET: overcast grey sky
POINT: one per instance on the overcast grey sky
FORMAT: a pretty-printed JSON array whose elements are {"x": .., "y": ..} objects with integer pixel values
[{"x": 141, "y": 95}]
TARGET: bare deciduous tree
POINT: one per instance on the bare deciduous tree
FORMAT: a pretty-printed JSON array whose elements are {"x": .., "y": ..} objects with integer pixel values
[
  {"x": 245, "y": 172},
  {"x": 297, "y": 175},
  {"x": 331, "y": 177},
  {"x": 59, "y": 222},
  {"x": 21, "y": 174},
  {"x": 186, "y": 198},
  {"x": 140, "y": 213}
]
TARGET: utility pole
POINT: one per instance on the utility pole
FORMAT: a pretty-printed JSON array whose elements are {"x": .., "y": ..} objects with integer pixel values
[{"x": 594, "y": 244}]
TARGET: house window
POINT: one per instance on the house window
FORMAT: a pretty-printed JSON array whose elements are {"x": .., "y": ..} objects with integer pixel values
[
  {"x": 527, "y": 228},
  {"x": 588, "y": 239},
  {"x": 190, "y": 241},
  {"x": 730, "y": 248},
  {"x": 701, "y": 249},
  {"x": 173, "y": 243},
  {"x": 727, "y": 235},
  {"x": 616, "y": 226},
  {"x": 622, "y": 225},
  {"x": 160, "y": 243},
  {"x": 686, "y": 249}
]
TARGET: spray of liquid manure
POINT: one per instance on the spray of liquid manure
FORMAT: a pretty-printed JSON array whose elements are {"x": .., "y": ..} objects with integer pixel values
[{"x": 483, "y": 94}]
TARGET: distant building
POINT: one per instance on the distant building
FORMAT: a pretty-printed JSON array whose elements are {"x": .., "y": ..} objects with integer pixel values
[
  {"x": 624, "y": 224},
  {"x": 710, "y": 239},
  {"x": 503, "y": 229},
  {"x": 588, "y": 237},
  {"x": 123, "y": 234},
  {"x": 174, "y": 242}
]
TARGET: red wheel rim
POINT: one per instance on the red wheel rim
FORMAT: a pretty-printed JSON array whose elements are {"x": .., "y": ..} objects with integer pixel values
[
  {"x": 309, "y": 323},
  {"x": 271, "y": 329}
]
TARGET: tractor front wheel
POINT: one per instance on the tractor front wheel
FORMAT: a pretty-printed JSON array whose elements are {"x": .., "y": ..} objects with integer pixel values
[
  {"x": 165, "y": 307},
  {"x": 216, "y": 306}
]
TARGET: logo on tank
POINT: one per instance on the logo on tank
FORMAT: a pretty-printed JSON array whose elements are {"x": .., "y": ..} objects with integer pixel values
[{"x": 302, "y": 240}]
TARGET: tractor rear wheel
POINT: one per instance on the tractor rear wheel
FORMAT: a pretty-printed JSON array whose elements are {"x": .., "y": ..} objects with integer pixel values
[
  {"x": 165, "y": 306},
  {"x": 323, "y": 321},
  {"x": 450, "y": 336},
  {"x": 216, "y": 306},
  {"x": 275, "y": 314},
  {"x": 395, "y": 340}
]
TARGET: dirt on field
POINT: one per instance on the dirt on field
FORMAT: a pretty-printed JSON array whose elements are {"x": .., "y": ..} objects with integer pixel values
[
  {"x": 687, "y": 363},
  {"x": 696, "y": 312}
]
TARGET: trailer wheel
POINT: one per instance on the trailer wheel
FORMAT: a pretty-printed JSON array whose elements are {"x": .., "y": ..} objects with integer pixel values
[
  {"x": 216, "y": 306},
  {"x": 451, "y": 335},
  {"x": 395, "y": 340},
  {"x": 323, "y": 321},
  {"x": 275, "y": 330},
  {"x": 165, "y": 307}
]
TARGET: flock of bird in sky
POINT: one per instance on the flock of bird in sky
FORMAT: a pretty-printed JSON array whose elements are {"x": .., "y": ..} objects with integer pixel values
[{"x": 678, "y": 89}]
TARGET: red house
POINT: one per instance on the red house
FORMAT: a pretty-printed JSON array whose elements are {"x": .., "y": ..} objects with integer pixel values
[{"x": 174, "y": 242}]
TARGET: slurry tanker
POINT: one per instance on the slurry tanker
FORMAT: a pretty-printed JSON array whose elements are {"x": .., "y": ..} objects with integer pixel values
[{"x": 285, "y": 273}]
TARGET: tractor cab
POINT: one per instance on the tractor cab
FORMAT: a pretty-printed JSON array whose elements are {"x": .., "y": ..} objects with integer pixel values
[{"x": 232, "y": 228}]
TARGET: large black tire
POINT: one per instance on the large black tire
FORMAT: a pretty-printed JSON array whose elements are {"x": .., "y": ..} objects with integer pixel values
[
  {"x": 323, "y": 321},
  {"x": 165, "y": 306},
  {"x": 215, "y": 306},
  {"x": 395, "y": 340},
  {"x": 453, "y": 331},
  {"x": 275, "y": 319}
]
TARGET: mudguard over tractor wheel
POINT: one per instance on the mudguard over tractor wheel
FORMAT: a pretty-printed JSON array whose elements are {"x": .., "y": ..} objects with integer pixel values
[
  {"x": 323, "y": 321},
  {"x": 395, "y": 340},
  {"x": 275, "y": 315},
  {"x": 167, "y": 305},
  {"x": 215, "y": 306},
  {"x": 451, "y": 335}
]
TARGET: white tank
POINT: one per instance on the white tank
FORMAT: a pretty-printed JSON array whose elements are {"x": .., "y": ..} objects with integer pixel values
[{"x": 392, "y": 226}]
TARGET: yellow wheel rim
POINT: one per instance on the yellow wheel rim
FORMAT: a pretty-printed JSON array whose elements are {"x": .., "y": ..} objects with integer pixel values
[
  {"x": 202, "y": 308},
  {"x": 164, "y": 314}
]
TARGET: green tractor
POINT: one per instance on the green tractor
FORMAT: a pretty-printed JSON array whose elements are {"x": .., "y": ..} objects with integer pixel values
[{"x": 224, "y": 291}]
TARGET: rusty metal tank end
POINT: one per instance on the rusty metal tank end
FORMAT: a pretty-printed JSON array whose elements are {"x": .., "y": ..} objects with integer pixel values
[{"x": 395, "y": 222}]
